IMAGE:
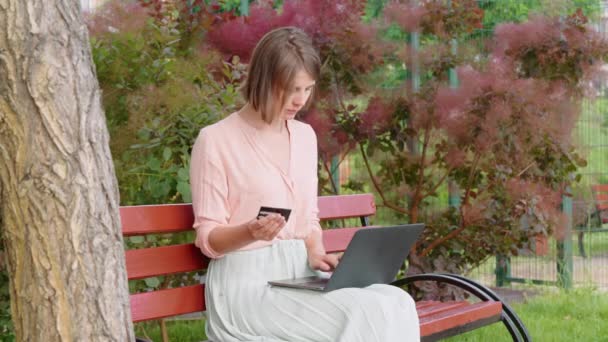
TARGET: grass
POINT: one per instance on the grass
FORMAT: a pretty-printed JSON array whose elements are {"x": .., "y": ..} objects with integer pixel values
[
  {"x": 596, "y": 244},
  {"x": 178, "y": 330},
  {"x": 577, "y": 315}
]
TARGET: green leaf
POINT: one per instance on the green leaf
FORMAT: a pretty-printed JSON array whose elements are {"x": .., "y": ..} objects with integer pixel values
[
  {"x": 152, "y": 282},
  {"x": 136, "y": 239},
  {"x": 167, "y": 153},
  {"x": 183, "y": 174},
  {"x": 184, "y": 189},
  {"x": 154, "y": 164}
]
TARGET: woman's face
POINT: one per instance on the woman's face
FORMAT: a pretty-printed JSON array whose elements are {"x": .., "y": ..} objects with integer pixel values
[{"x": 297, "y": 97}]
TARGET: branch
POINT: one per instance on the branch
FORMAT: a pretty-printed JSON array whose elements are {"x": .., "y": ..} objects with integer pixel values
[
  {"x": 441, "y": 180},
  {"x": 385, "y": 202},
  {"x": 462, "y": 228},
  {"x": 518, "y": 175},
  {"x": 345, "y": 154},
  {"x": 417, "y": 193},
  {"x": 464, "y": 202},
  {"x": 526, "y": 169},
  {"x": 470, "y": 180},
  {"x": 441, "y": 240}
]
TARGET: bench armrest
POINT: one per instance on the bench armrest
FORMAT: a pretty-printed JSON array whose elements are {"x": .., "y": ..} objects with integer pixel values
[{"x": 512, "y": 322}]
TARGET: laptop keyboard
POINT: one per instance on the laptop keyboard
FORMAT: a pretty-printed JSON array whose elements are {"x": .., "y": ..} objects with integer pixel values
[{"x": 316, "y": 282}]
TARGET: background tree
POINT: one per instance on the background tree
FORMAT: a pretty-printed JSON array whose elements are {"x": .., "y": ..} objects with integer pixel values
[
  {"x": 503, "y": 136},
  {"x": 58, "y": 193}
]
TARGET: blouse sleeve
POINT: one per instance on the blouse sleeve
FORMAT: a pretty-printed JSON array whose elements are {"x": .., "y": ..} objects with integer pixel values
[
  {"x": 208, "y": 183},
  {"x": 313, "y": 214}
]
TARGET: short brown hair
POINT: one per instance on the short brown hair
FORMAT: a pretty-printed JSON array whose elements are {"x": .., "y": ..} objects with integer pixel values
[{"x": 276, "y": 59}]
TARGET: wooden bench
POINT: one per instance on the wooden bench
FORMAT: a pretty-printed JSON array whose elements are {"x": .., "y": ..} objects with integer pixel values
[
  {"x": 437, "y": 319},
  {"x": 598, "y": 216}
]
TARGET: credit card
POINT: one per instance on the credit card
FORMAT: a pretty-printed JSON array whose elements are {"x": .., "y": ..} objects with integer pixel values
[{"x": 264, "y": 211}]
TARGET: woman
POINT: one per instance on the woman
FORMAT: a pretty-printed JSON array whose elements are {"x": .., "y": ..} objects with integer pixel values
[{"x": 260, "y": 156}]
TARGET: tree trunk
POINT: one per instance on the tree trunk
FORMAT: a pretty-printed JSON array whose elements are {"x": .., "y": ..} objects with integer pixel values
[{"x": 58, "y": 192}]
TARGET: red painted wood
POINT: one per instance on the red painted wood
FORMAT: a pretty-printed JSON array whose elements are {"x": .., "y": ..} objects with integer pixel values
[
  {"x": 458, "y": 316},
  {"x": 152, "y": 262},
  {"x": 172, "y": 218},
  {"x": 439, "y": 307},
  {"x": 346, "y": 206},
  {"x": 424, "y": 303},
  {"x": 434, "y": 316},
  {"x": 165, "y": 303},
  {"x": 600, "y": 196},
  {"x": 600, "y": 187},
  {"x": 336, "y": 240},
  {"x": 601, "y": 201},
  {"x": 149, "y": 219}
]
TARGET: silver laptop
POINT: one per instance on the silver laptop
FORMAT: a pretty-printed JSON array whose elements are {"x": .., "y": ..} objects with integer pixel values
[{"x": 373, "y": 256}]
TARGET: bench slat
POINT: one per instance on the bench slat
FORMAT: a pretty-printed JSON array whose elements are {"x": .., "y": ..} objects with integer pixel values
[
  {"x": 424, "y": 303},
  {"x": 439, "y": 307},
  {"x": 600, "y": 188},
  {"x": 150, "y": 219},
  {"x": 173, "y": 218},
  {"x": 346, "y": 206},
  {"x": 165, "y": 303},
  {"x": 152, "y": 262},
  {"x": 601, "y": 201},
  {"x": 336, "y": 240},
  {"x": 155, "y": 261},
  {"x": 600, "y": 196},
  {"x": 190, "y": 299},
  {"x": 449, "y": 319}
]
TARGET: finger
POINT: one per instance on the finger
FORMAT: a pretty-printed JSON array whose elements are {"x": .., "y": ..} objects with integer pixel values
[
  {"x": 335, "y": 260},
  {"x": 268, "y": 221},
  {"x": 331, "y": 264},
  {"x": 331, "y": 260},
  {"x": 268, "y": 232},
  {"x": 277, "y": 230},
  {"x": 324, "y": 266},
  {"x": 278, "y": 222},
  {"x": 278, "y": 219}
]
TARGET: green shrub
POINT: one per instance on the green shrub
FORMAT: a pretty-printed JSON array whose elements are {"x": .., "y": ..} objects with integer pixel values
[{"x": 158, "y": 92}]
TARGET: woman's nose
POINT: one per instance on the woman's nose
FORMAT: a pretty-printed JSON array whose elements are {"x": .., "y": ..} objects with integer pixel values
[{"x": 298, "y": 99}]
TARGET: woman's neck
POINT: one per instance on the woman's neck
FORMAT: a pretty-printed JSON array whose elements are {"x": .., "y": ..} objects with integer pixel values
[{"x": 254, "y": 118}]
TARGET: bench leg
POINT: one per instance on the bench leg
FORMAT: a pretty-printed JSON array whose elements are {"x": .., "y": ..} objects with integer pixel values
[
  {"x": 581, "y": 245},
  {"x": 512, "y": 322}
]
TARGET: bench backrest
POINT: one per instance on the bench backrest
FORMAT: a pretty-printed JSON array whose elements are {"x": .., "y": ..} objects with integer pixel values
[
  {"x": 600, "y": 196},
  {"x": 173, "y": 218}
]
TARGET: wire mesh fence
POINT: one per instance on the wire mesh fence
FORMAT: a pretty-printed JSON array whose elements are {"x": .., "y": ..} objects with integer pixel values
[{"x": 585, "y": 248}]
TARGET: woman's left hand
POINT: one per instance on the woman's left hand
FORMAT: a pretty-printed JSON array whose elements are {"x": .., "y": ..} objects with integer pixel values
[{"x": 324, "y": 262}]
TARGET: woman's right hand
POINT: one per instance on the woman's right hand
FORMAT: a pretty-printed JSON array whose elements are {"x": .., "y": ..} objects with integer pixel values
[{"x": 267, "y": 227}]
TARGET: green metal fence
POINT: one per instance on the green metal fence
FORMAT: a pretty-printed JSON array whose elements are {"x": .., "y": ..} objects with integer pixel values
[
  {"x": 563, "y": 262},
  {"x": 551, "y": 262}
]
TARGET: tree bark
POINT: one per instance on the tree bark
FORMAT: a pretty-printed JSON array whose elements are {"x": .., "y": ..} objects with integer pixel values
[{"x": 58, "y": 191}]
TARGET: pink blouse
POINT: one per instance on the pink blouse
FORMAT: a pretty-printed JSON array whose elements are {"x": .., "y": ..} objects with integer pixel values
[{"x": 232, "y": 175}]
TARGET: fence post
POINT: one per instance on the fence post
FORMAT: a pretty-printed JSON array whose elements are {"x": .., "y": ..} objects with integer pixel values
[
  {"x": 503, "y": 270},
  {"x": 564, "y": 247},
  {"x": 244, "y": 7},
  {"x": 453, "y": 189},
  {"x": 335, "y": 172}
]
